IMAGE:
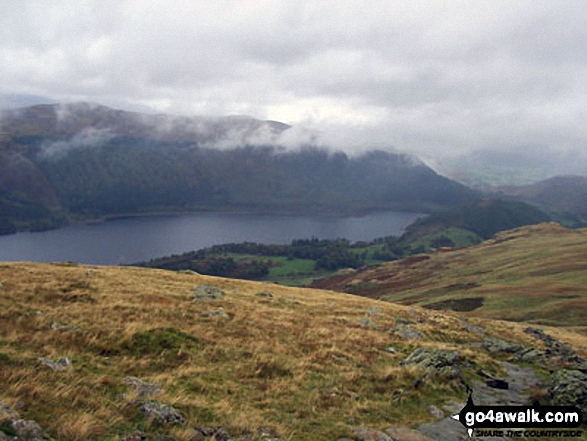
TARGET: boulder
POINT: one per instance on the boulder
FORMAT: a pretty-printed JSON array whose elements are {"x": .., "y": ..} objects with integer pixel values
[
  {"x": 207, "y": 293},
  {"x": 438, "y": 361},
  {"x": 161, "y": 413}
]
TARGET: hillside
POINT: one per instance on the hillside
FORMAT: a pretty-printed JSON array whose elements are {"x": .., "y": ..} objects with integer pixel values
[
  {"x": 82, "y": 161},
  {"x": 535, "y": 274},
  {"x": 128, "y": 353},
  {"x": 560, "y": 193}
]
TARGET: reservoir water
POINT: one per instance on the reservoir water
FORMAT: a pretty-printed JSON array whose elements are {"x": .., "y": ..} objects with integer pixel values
[{"x": 137, "y": 239}]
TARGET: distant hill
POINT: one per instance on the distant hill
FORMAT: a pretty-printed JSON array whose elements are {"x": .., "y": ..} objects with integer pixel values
[
  {"x": 533, "y": 273},
  {"x": 560, "y": 193},
  {"x": 109, "y": 353},
  {"x": 483, "y": 217},
  {"x": 82, "y": 161}
]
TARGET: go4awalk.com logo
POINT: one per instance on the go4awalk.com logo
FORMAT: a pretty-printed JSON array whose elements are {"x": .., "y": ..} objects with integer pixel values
[{"x": 521, "y": 421}]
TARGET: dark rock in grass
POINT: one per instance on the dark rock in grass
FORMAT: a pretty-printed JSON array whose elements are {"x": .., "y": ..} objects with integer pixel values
[
  {"x": 207, "y": 293},
  {"x": 29, "y": 430},
  {"x": 368, "y": 434},
  {"x": 217, "y": 434},
  {"x": 161, "y": 413},
  {"x": 60, "y": 365},
  {"x": 442, "y": 362},
  {"x": 265, "y": 294}
]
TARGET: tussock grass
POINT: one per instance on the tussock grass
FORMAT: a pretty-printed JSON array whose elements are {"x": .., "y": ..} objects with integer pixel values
[{"x": 299, "y": 362}]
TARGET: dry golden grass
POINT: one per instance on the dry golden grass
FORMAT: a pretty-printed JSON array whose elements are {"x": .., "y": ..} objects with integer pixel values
[
  {"x": 298, "y": 362},
  {"x": 534, "y": 274}
]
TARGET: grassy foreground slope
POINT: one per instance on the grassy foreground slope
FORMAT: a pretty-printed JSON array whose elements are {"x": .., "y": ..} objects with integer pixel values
[
  {"x": 301, "y": 364},
  {"x": 536, "y": 274}
]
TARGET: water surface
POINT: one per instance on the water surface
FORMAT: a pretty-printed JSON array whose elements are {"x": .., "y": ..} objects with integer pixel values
[{"x": 142, "y": 238}]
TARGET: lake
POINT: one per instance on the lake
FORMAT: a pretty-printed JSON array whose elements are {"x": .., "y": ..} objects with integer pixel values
[{"x": 137, "y": 239}]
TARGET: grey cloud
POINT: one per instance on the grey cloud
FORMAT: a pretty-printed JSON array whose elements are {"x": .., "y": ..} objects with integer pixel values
[{"x": 428, "y": 77}]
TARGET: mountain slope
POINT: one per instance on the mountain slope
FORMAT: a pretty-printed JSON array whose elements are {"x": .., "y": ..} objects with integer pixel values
[
  {"x": 560, "y": 193},
  {"x": 90, "y": 161},
  {"x": 535, "y": 274},
  {"x": 260, "y": 361}
]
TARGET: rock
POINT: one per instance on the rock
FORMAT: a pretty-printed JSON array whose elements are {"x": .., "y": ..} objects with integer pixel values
[
  {"x": 265, "y": 294},
  {"x": 406, "y": 332},
  {"x": 530, "y": 355},
  {"x": 403, "y": 434},
  {"x": 497, "y": 345},
  {"x": 446, "y": 429},
  {"x": 161, "y": 413},
  {"x": 215, "y": 313},
  {"x": 435, "y": 412},
  {"x": 137, "y": 436},
  {"x": 403, "y": 321},
  {"x": 438, "y": 361},
  {"x": 569, "y": 388},
  {"x": 143, "y": 388},
  {"x": 366, "y": 322},
  {"x": 372, "y": 311},
  {"x": 207, "y": 293},
  {"x": 190, "y": 272},
  {"x": 391, "y": 350},
  {"x": 367, "y": 434},
  {"x": 61, "y": 364},
  {"x": 217, "y": 434},
  {"x": 29, "y": 430}
]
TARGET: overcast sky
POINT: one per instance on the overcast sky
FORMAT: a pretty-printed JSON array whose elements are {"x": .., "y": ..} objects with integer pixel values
[{"x": 429, "y": 77}]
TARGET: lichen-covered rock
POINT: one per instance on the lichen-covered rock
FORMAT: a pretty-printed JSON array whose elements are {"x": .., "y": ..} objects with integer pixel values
[
  {"x": 438, "y": 361},
  {"x": 13, "y": 427},
  {"x": 497, "y": 345},
  {"x": 569, "y": 388},
  {"x": 207, "y": 293},
  {"x": 161, "y": 413}
]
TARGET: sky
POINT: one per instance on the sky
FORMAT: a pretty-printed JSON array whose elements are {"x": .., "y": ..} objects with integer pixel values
[{"x": 423, "y": 76}]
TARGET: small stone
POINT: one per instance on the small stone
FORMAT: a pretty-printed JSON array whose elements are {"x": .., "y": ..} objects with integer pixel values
[
  {"x": 435, "y": 412},
  {"x": 61, "y": 364},
  {"x": 207, "y": 293},
  {"x": 368, "y": 434},
  {"x": 190, "y": 272},
  {"x": 390, "y": 350},
  {"x": 264, "y": 294},
  {"x": 215, "y": 313},
  {"x": 143, "y": 388},
  {"x": 404, "y": 434}
]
